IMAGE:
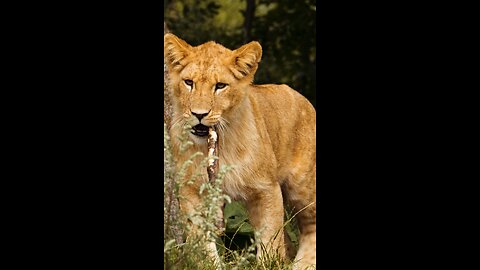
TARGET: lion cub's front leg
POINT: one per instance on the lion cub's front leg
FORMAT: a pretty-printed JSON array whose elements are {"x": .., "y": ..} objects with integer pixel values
[
  {"x": 265, "y": 211},
  {"x": 190, "y": 198}
]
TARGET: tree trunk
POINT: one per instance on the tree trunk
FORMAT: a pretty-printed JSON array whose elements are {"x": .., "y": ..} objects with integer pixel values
[
  {"x": 171, "y": 210},
  {"x": 167, "y": 103}
]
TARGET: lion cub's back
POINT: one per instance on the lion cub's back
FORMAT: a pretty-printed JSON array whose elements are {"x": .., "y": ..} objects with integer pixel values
[
  {"x": 284, "y": 104},
  {"x": 290, "y": 120}
]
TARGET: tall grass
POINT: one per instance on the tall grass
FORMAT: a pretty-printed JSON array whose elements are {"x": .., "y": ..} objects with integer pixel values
[{"x": 181, "y": 252}]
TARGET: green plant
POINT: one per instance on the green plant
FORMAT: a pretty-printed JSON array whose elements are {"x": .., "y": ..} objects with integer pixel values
[{"x": 181, "y": 253}]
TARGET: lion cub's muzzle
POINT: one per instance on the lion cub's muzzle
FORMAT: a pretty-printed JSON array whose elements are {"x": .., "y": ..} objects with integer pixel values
[{"x": 200, "y": 129}]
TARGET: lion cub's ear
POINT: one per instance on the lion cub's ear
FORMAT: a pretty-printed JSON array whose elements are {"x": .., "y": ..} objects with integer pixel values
[
  {"x": 175, "y": 51},
  {"x": 246, "y": 59}
]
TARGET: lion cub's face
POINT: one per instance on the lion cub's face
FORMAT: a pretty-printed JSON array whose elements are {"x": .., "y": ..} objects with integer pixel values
[{"x": 208, "y": 81}]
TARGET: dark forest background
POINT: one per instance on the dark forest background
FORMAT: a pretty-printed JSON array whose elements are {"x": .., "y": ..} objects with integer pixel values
[{"x": 286, "y": 30}]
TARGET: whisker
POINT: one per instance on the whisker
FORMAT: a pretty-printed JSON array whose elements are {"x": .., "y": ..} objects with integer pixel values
[
  {"x": 177, "y": 120},
  {"x": 224, "y": 120},
  {"x": 223, "y": 126}
]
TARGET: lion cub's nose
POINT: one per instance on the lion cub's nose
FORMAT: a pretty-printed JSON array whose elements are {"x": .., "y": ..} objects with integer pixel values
[{"x": 199, "y": 115}]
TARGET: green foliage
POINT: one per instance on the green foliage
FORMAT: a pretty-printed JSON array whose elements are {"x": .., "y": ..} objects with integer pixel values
[
  {"x": 286, "y": 30},
  {"x": 236, "y": 218},
  {"x": 287, "y": 33}
]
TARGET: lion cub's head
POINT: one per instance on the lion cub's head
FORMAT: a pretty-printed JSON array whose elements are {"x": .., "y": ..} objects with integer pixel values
[{"x": 209, "y": 80}]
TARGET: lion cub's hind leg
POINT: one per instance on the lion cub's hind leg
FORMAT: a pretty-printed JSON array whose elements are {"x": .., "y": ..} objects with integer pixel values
[{"x": 300, "y": 193}]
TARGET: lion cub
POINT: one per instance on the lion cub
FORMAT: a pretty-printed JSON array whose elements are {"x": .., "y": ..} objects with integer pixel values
[{"x": 267, "y": 131}]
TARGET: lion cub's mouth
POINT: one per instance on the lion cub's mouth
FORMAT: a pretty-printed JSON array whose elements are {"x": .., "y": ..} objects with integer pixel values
[{"x": 200, "y": 130}]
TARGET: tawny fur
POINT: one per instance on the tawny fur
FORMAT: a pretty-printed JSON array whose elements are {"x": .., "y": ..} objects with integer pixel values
[{"x": 266, "y": 131}]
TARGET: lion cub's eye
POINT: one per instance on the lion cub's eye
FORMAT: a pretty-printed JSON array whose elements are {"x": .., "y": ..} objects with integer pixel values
[
  {"x": 219, "y": 86},
  {"x": 188, "y": 82}
]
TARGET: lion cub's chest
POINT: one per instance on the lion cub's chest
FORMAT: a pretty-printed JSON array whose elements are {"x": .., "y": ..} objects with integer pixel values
[
  {"x": 246, "y": 173},
  {"x": 240, "y": 174},
  {"x": 241, "y": 161}
]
